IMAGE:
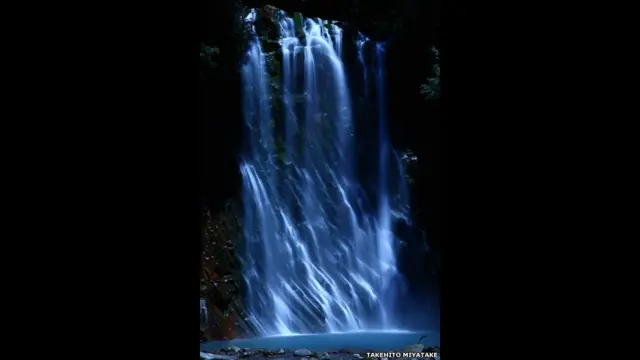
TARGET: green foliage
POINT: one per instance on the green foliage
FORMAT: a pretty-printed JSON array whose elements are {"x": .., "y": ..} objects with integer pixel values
[
  {"x": 272, "y": 62},
  {"x": 409, "y": 164},
  {"x": 431, "y": 89},
  {"x": 297, "y": 20},
  {"x": 208, "y": 55}
]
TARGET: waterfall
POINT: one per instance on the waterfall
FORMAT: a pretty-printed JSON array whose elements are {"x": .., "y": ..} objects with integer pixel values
[
  {"x": 316, "y": 258},
  {"x": 204, "y": 314}
]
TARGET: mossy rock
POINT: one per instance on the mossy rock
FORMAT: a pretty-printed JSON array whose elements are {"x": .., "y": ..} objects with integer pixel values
[{"x": 273, "y": 61}]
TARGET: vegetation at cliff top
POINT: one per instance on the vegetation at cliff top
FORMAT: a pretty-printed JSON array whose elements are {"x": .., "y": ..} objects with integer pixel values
[{"x": 431, "y": 90}]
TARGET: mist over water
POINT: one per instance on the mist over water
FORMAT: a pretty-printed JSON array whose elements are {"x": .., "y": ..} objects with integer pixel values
[{"x": 320, "y": 251}]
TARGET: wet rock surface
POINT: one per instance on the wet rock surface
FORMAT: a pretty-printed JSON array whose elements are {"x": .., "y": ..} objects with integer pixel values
[
  {"x": 234, "y": 352},
  {"x": 302, "y": 352}
]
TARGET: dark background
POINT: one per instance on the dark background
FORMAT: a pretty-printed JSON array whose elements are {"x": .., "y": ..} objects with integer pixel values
[{"x": 517, "y": 88}]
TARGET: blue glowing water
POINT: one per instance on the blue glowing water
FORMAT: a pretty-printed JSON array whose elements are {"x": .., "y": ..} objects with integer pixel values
[{"x": 316, "y": 258}]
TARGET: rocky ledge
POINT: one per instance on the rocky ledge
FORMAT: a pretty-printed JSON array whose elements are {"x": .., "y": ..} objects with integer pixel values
[{"x": 234, "y": 353}]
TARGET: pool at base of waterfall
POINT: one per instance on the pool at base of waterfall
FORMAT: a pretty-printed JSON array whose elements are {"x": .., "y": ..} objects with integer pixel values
[{"x": 333, "y": 346}]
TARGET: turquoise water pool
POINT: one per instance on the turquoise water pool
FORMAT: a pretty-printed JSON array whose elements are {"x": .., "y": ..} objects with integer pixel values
[{"x": 365, "y": 340}]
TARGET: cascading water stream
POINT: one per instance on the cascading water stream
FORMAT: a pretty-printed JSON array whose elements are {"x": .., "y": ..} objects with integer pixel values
[
  {"x": 391, "y": 182},
  {"x": 204, "y": 314},
  {"x": 316, "y": 259}
]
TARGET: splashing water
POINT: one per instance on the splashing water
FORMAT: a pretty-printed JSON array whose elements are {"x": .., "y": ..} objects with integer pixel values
[{"x": 316, "y": 259}]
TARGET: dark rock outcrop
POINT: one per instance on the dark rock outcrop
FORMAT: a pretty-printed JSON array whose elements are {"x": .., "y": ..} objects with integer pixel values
[
  {"x": 220, "y": 278},
  {"x": 376, "y": 19}
]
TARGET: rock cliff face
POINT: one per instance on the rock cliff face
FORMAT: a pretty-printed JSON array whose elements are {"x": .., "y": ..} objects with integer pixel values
[{"x": 222, "y": 314}]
